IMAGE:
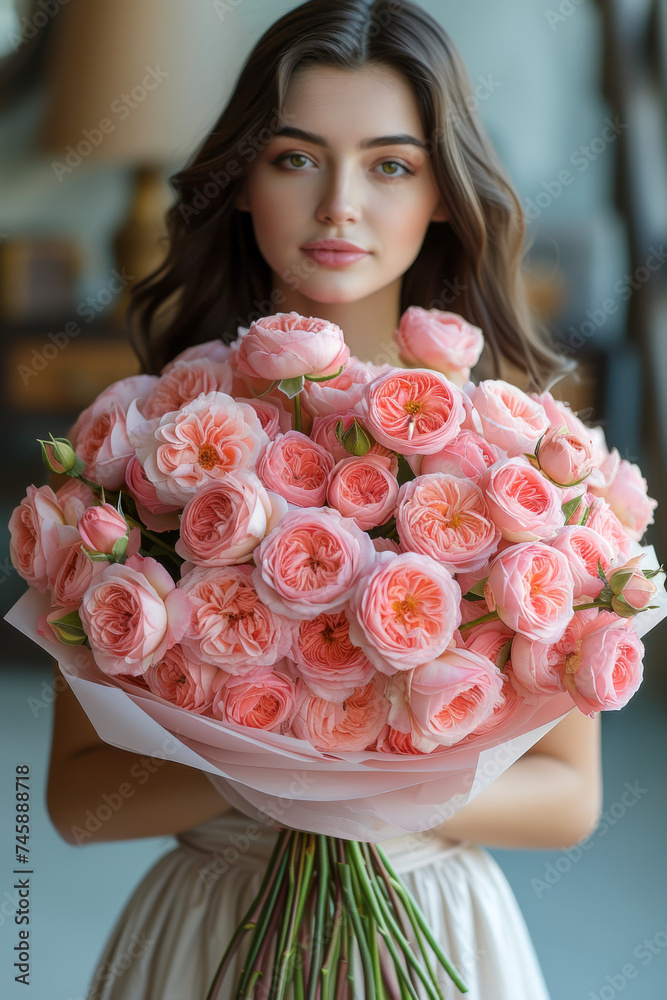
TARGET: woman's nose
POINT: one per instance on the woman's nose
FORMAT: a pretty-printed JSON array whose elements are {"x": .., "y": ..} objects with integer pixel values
[{"x": 340, "y": 203}]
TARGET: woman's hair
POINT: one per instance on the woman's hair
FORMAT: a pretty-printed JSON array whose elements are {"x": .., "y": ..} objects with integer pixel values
[{"x": 214, "y": 278}]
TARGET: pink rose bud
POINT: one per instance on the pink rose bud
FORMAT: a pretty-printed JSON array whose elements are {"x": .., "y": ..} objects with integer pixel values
[
  {"x": 288, "y": 345},
  {"x": 565, "y": 458},
  {"x": 101, "y": 527},
  {"x": 633, "y": 592}
]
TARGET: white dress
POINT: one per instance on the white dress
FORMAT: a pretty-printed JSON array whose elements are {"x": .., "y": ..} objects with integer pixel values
[{"x": 170, "y": 937}]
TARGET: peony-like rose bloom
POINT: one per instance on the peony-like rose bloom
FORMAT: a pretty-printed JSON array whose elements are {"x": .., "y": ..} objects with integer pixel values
[
  {"x": 350, "y": 725},
  {"x": 537, "y": 667},
  {"x": 524, "y": 505},
  {"x": 296, "y": 468},
  {"x": 627, "y": 495},
  {"x": 531, "y": 588},
  {"x": 453, "y": 695},
  {"x": 584, "y": 548},
  {"x": 184, "y": 381},
  {"x": 331, "y": 665},
  {"x": 392, "y": 740},
  {"x": 510, "y": 419},
  {"x": 446, "y": 518},
  {"x": 181, "y": 681},
  {"x": 264, "y": 700},
  {"x": 415, "y": 412},
  {"x": 205, "y": 439},
  {"x": 601, "y": 518},
  {"x": 101, "y": 527},
  {"x": 565, "y": 458},
  {"x": 343, "y": 392},
  {"x": 133, "y": 614},
  {"x": 70, "y": 571},
  {"x": 432, "y": 338},
  {"x": 33, "y": 528},
  {"x": 156, "y": 516},
  {"x": 364, "y": 489},
  {"x": 405, "y": 612},
  {"x": 288, "y": 345},
  {"x": 227, "y": 518},
  {"x": 468, "y": 456},
  {"x": 310, "y": 562},
  {"x": 231, "y": 627},
  {"x": 489, "y": 638},
  {"x": 273, "y": 416}
]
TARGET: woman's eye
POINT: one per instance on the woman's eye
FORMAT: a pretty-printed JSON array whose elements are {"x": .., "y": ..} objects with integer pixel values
[{"x": 390, "y": 163}]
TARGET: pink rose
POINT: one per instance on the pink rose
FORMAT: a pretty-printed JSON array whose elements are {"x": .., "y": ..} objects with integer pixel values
[
  {"x": 297, "y": 469},
  {"x": 273, "y": 416},
  {"x": 226, "y": 519},
  {"x": 73, "y": 497},
  {"x": 633, "y": 592},
  {"x": 212, "y": 350},
  {"x": 441, "y": 340},
  {"x": 453, "y": 695},
  {"x": 627, "y": 495},
  {"x": 323, "y": 432},
  {"x": 330, "y": 664},
  {"x": 338, "y": 727},
  {"x": 510, "y": 419},
  {"x": 601, "y": 518},
  {"x": 524, "y": 505},
  {"x": 310, "y": 562},
  {"x": 560, "y": 415},
  {"x": 414, "y": 412},
  {"x": 584, "y": 548},
  {"x": 446, "y": 518},
  {"x": 156, "y": 516},
  {"x": 511, "y": 702},
  {"x": 490, "y": 638},
  {"x": 205, "y": 439},
  {"x": 468, "y": 456},
  {"x": 33, "y": 528},
  {"x": 288, "y": 345},
  {"x": 537, "y": 667},
  {"x": 181, "y": 681},
  {"x": 184, "y": 381},
  {"x": 101, "y": 527},
  {"x": 601, "y": 664},
  {"x": 71, "y": 572},
  {"x": 262, "y": 701},
  {"x": 343, "y": 392},
  {"x": 133, "y": 614},
  {"x": 530, "y": 586},
  {"x": 565, "y": 458},
  {"x": 231, "y": 627},
  {"x": 405, "y": 612},
  {"x": 364, "y": 489},
  {"x": 392, "y": 740}
]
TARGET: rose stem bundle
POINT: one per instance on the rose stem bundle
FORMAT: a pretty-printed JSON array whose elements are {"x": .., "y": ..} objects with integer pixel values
[{"x": 319, "y": 894}]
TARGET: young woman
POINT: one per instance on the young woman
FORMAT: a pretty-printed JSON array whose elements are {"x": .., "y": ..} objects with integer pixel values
[{"x": 349, "y": 122}]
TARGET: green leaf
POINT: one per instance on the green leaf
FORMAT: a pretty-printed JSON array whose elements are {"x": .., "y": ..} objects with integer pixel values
[
  {"x": 582, "y": 519},
  {"x": 504, "y": 655},
  {"x": 405, "y": 471},
  {"x": 650, "y": 573},
  {"x": 570, "y": 507},
  {"x": 340, "y": 430},
  {"x": 291, "y": 386},
  {"x": 477, "y": 590},
  {"x": 601, "y": 574}
]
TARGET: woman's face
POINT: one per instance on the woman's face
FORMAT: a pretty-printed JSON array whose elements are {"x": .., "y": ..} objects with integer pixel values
[{"x": 335, "y": 184}]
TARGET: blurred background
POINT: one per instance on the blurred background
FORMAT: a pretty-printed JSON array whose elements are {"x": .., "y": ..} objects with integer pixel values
[{"x": 100, "y": 103}]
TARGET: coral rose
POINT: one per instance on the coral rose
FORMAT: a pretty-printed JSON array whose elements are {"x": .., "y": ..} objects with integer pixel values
[
  {"x": 227, "y": 518},
  {"x": 231, "y": 627},
  {"x": 530, "y": 587},
  {"x": 262, "y": 701},
  {"x": 414, "y": 412},
  {"x": 524, "y": 505},
  {"x": 468, "y": 456},
  {"x": 330, "y": 664},
  {"x": 432, "y": 338},
  {"x": 364, "y": 489},
  {"x": 510, "y": 419},
  {"x": 133, "y": 614},
  {"x": 181, "y": 681},
  {"x": 310, "y": 562},
  {"x": 584, "y": 548},
  {"x": 273, "y": 416},
  {"x": 184, "y": 381},
  {"x": 350, "y": 725},
  {"x": 156, "y": 516},
  {"x": 34, "y": 535},
  {"x": 405, "y": 612},
  {"x": 446, "y": 518},
  {"x": 288, "y": 345},
  {"x": 297, "y": 469},
  {"x": 601, "y": 518},
  {"x": 344, "y": 391}
]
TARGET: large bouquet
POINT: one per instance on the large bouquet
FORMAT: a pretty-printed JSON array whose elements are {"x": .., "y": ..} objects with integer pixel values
[{"x": 388, "y": 581}]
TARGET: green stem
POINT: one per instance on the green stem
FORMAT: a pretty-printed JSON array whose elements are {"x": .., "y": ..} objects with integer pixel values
[
  {"x": 319, "y": 927},
  {"x": 491, "y": 617},
  {"x": 297, "y": 412},
  {"x": 353, "y": 913},
  {"x": 593, "y": 604},
  {"x": 281, "y": 939}
]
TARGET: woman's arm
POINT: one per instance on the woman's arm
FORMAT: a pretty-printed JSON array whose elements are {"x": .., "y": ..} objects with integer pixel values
[{"x": 551, "y": 798}]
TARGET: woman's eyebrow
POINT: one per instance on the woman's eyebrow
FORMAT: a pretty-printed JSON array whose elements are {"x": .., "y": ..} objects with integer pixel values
[{"x": 400, "y": 139}]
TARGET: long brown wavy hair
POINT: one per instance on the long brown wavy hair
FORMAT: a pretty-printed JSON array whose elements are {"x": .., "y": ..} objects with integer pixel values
[{"x": 214, "y": 279}]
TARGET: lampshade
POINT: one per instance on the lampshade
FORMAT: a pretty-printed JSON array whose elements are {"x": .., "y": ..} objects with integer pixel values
[{"x": 139, "y": 81}]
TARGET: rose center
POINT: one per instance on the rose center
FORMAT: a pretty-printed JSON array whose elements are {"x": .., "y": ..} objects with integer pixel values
[
  {"x": 208, "y": 456},
  {"x": 405, "y": 607},
  {"x": 413, "y": 407}
]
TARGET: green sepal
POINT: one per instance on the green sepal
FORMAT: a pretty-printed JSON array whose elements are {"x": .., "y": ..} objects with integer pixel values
[
  {"x": 69, "y": 629},
  {"x": 476, "y": 592},
  {"x": 570, "y": 507},
  {"x": 323, "y": 378},
  {"x": 355, "y": 440},
  {"x": 405, "y": 471},
  {"x": 504, "y": 655},
  {"x": 291, "y": 387},
  {"x": 95, "y": 556}
]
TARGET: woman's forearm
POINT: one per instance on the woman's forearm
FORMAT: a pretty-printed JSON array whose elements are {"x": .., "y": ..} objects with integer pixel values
[
  {"x": 105, "y": 793},
  {"x": 538, "y": 802}
]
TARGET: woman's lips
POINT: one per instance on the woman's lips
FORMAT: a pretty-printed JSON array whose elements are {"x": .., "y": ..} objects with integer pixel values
[{"x": 335, "y": 258}]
